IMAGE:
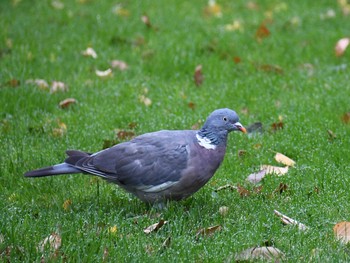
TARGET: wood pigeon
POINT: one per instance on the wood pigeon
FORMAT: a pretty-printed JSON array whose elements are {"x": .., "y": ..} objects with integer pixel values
[{"x": 157, "y": 166}]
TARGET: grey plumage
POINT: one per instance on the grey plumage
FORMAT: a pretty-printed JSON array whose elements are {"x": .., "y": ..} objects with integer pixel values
[{"x": 157, "y": 166}]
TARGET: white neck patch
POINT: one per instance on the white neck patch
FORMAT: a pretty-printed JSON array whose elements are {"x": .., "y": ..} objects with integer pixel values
[{"x": 205, "y": 142}]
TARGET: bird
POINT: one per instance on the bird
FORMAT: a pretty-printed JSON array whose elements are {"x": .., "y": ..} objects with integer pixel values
[{"x": 161, "y": 166}]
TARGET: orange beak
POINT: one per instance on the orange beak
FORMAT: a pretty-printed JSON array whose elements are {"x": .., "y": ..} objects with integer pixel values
[{"x": 240, "y": 127}]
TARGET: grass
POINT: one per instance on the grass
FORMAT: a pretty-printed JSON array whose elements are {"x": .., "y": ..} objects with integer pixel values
[{"x": 38, "y": 41}]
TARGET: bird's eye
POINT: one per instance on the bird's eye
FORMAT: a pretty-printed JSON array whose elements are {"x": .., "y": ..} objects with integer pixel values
[{"x": 224, "y": 118}]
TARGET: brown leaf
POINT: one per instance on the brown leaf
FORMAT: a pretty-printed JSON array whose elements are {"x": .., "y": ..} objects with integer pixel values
[
  {"x": 237, "y": 60},
  {"x": 40, "y": 83},
  {"x": 54, "y": 242},
  {"x": 209, "y": 231},
  {"x": 341, "y": 46},
  {"x": 198, "y": 75},
  {"x": 132, "y": 125},
  {"x": 331, "y": 135},
  {"x": 13, "y": 83},
  {"x": 243, "y": 192},
  {"x": 64, "y": 104},
  {"x": 281, "y": 188},
  {"x": 342, "y": 231},
  {"x": 121, "y": 65},
  {"x": 242, "y": 153},
  {"x": 262, "y": 32},
  {"x": 67, "y": 204},
  {"x": 277, "y": 125},
  {"x": 346, "y": 117},
  {"x": 281, "y": 158},
  {"x": 289, "y": 221},
  {"x": 155, "y": 227},
  {"x": 267, "y": 253},
  {"x": 191, "y": 105},
  {"x": 123, "y": 135},
  {"x": 89, "y": 52},
  {"x": 270, "y": 68}
]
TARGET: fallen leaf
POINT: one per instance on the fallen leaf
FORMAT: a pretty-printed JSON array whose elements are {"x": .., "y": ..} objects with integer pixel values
[
  {"x": 89, "y": 52},
  {"x": 13, "y": 83},
  {"x": 332, "y": 135},
  {"x": 346, "y": 117},
  {"x": 237, "y": 60},
  {"x": 277, "y": 125},
  {"x": 120, "y": 11},
  {"x": 256, "y": 177},
  {"x": 262, "y": 32},
  {"x": 145, "y": 19},
  {"x": 40, "y": 83},
  {"x": 270, "y": 68},
  {"x": 235, "y": 26},
  {"x": 345, "y": 7},
  {"x": 227, "y": 186},
  {"x": 60, "y": 130},
  {"x": 223, "y": 210},
  {"x": 124, "y": 135},
  {"x": 243, "y": 192},
  {"x": 53, "y": 241},
  {"x": 165, "y": 244},
  {"x": 155, "y": 227},
  {"x": 252, "y": 5},
  {"x": 191, "y": 105},
  {"x": 274, "y": 169},
  {"x": 209, "y": 231},
  {"x": 267, "y": 253},
  {"x": 242, "y": 153},
  {"x": 289, "y": 221},
  {"x": 145, "y": 100},
  {"x": 198, "y": 75},
  {"x": 67, "y": 103},
  {"x": 281, "y": 158},
  {"x": 67, "y": 204},
  {"x": 342, "y": 232},
  {"x": 104, "y": 73},
  {"x": 213, "y": 9},
  {"x": 341, "y": 46},
  {"x": 57, "y": 4},
  {"x": 58, "y": 86},
  {"x": 113, "y": 230},
  {"x": 105, "y": 254},
  {"x": 121, "y": 65},
  {"x": 281, "y": 188},
  {"x": 330, "y": 13}
]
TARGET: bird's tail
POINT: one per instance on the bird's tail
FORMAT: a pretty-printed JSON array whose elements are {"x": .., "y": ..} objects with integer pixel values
[{"x": 62, "y": 168}]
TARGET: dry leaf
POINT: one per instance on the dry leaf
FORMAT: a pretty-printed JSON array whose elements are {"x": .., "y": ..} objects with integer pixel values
[
  {"x": 281, "y": 158},
  {"x": 227, "y": 186},
  {"x": 60, "y": 130},
  {"x": 165, "y": 244},
  {"x": 346, "y": 117},
  {"x": 331, "y": 135},
  {"x": 125, "y": 135},
  {"x": 113, "y": 229},
  {"x": 256, "y": 177},
  {"x": 270, "y": 68},
  {"x": 267, "y": 253},
  {"x": 105, "y": 254},
  {"x": 89, "y": 52},
  {"x": 223, "y": 210},
  {"x": 54, "y": 242},
  {"x": 289, "y": 221},
  {"x": 66, "y": 204},
  {"x": 13, "y": 83},
  {"x": 270, "y": 169},
  {"x": 155, "y": 227},
  {"x": 120, "y": 11},
  {"x": 198, "y": 75},
  {"x": 330, "y": 13},
  {"x": 209, "y": 231},
  {"x": 146, "y": 21},
  {"x": 252, "y": 5},
  {"x": 104, "y": 73},
  {"x": 40, "y": 83},
  {"x": 278, "y": 125},
  {"x": 145, "y": 100},
  {"x": 341, "y": 46},
  {"x": 213, "y": 9},
  {"x": 191, "y": 105},
  {"x": 345, "y": 7},
  {"x": 57, "y": 5},
  {"x": 237, "y": 60},
  {"x": 243, "y": 192},
  {"x": 67, "y": 103},
  {"x": 342, "y": 231},
  {"x": 262, "y": 32},
  {"x": 58, "y": 86},
  {"x": 121, "y": 65},
  {"x": 235, "y": 26},
  {"x": 281, "y": 188}
]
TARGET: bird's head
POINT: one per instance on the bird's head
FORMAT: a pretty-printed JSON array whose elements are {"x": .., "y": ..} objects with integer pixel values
[{"x": 223, "y": 120}]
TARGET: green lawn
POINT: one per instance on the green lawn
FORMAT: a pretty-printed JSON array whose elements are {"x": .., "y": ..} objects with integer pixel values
[{"x": 290, "y": 71}]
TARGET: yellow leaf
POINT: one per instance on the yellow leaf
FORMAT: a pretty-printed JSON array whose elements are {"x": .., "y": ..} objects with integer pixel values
[
  {"x": 281, "y": 158},
  {"x": 66, "y": 205},
  {"x": 213, "y": 9},
  {"x": 113, "y": 229}
]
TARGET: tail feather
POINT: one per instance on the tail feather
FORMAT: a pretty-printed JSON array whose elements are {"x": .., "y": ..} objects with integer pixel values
[{"x": 62, "y": 168}]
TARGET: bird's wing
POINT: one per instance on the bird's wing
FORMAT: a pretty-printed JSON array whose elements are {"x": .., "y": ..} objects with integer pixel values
[{"x": 151, "y": 162}]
